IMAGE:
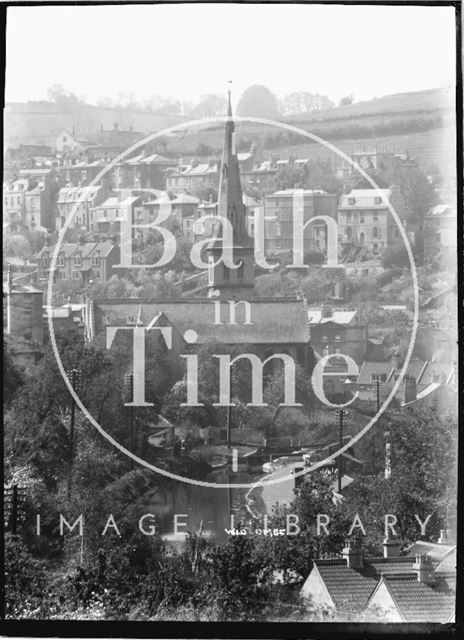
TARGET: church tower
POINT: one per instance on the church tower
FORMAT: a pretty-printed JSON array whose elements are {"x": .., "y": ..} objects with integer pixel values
[{"x": 223, "y": 281}]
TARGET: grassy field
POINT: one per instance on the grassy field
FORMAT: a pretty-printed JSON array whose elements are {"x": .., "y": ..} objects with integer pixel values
[{"x": 421, "y": 123}]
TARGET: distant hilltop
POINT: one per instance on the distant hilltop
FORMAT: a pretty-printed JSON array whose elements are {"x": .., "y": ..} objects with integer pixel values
[{"x": 421, "y": 122}]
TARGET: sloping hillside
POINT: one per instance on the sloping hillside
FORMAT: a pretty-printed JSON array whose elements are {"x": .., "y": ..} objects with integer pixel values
[
  {"x": 41, "y": 122},
  {"x": 421, "y": 123}
]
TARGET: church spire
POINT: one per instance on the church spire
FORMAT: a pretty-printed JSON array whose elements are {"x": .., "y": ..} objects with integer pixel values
[
  {"x": 235, "y": 283},
  {"x": 230, "y": 204}
]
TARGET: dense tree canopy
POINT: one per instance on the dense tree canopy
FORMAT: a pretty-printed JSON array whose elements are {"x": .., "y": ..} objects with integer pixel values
[{"x": 259, "y": 102}]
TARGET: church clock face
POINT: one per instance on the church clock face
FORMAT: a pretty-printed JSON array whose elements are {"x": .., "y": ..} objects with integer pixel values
[{"x": 236, "y": 371}]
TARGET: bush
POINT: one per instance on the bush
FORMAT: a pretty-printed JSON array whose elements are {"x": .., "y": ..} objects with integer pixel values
[
  {"x": 24, "y": 581},
  {"x": 395, "y": 256},
  {"x": 314, "y": 257}
]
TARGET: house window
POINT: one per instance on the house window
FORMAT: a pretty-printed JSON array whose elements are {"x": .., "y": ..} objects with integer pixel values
[
  {"x": 77, "y": 260},
  {"x": 337, "y": 338},
  {"x": 76, "y": 275},
  {"x": 96, "y": 274},
  {"x": 96, "y": 259},
  {"x": 18, "y": 200},
  {"x": 375, "y": 248},
  {"x": 324, "y": 338},
  {"x": 240, "y": 272},
  {"x": 375, "y": 232},
  {"x": 377, "y": 200},
  {"x": 375, "y": 217},
  {"x": 60, "y": 260},
  {"x": 225, "y": 272},
  {"x": 361, "y": 218}
]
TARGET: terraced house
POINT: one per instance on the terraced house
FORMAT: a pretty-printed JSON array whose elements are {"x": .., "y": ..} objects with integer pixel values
[{"x": 80, "y": 261}]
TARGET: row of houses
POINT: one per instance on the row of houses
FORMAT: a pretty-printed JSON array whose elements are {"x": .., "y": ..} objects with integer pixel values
[
  {"x": 417, "y": 584},
  {"x": 44, "y": 197}
]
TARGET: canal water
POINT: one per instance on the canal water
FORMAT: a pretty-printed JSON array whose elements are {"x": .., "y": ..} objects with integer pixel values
[{"x": 213, "y": 506}]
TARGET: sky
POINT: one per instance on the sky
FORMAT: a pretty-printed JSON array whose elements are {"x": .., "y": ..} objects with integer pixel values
[{"x": 185, "y": 51}]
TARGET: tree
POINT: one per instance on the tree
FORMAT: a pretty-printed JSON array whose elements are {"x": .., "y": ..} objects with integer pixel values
[
  {"x": 12, "y": 375},
  {"x": 209, "y": 106},
  {"x": 395, "y": 256},
  {"x": 300, "y": 102},
  {"x": 259, "y": 102},
  {"x": 346, "y": 100},
  {"x": 423, "y": 475},
  {"x": 417, "y": 192}
]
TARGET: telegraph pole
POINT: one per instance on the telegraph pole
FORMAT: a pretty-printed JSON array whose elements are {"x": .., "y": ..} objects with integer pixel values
[
  {"x": 340, "y": 412},
  {"x": 74, "y": 376},
  {"x": 378, "y": 395},
  {"x": 129, "y": 393},
  {"x": 232, "y": 378}
]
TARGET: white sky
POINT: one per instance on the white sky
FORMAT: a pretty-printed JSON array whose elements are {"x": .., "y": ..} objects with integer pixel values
[{"x": 185, "y": 51}]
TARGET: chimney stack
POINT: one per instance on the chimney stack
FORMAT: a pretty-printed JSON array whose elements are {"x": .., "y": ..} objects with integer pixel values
[
  {"x": 391, "y": 547},
  {"x": 353, "y": 555},
  {"x": 424, "y": 569},
  {"x": 326, "y": 311},
  {"x": 445, "y": 537}
]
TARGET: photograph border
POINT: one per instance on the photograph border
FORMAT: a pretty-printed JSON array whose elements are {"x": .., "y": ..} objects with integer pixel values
[{"x": 329, "y": 630}]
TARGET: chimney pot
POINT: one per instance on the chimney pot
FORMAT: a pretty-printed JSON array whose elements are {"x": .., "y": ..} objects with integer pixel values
[
  {"x": 424, "y": 569},
  {"x": 445, "y": 537},
  {"x": 353, "y": 554},
  {"x": 391, "y": 547}
]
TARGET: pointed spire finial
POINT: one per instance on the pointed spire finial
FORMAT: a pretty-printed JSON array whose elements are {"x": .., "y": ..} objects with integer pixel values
[{"x": 229, "y": 92}]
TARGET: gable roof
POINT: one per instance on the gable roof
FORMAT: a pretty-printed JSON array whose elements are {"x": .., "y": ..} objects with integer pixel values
[
  {"x": 279, "y": 321},
  {"x": 338, "y": 316},
  {"x": 416, "y": 601},
  {"x": 345, "y": 586},
  {"x": 369, "y": 368}
]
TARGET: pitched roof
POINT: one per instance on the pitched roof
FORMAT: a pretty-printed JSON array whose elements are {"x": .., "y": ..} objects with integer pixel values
[
  {"x": 365, "y": 198},
  {"x": 199, "y": 169},
  {"x": 369, "y": 368},
  {"x": 448, "y": 564},
  {"x": 280, "y": 321},
  {"x": 345, "y": 586},
  {"x": 441, "y": 210},
  {"x": 304, "y": 192},
  {"x": 183, "y": 198},
  {"x": 434, "y": 550},
  {"x": 339, "y": 317},
  {"x": 115, "y": 203},
  {"x": 418, "y": 602}
]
